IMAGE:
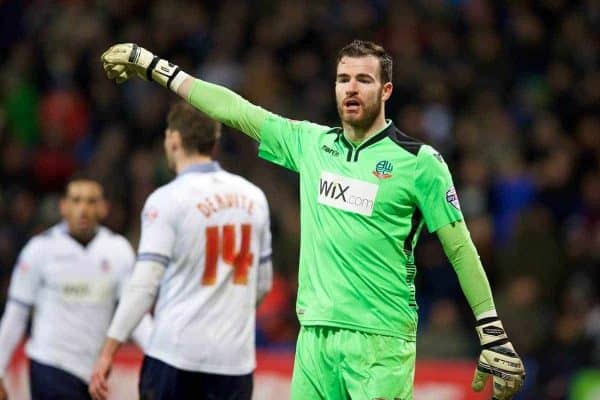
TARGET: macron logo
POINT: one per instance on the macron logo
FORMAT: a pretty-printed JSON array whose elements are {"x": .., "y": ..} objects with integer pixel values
[{"x": 347, "y": 194}]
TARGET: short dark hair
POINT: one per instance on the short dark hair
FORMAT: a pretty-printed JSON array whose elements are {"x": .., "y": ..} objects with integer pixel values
[
  {"x": 83, "y": 176},
  {"x": 363, "y": 48},
  {"x": 199, "y": 133}
]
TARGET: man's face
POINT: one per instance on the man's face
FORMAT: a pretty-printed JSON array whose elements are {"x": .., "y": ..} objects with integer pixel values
[
  {"x": 359, "y": 91},
  {"x": 83, "y": 207}
]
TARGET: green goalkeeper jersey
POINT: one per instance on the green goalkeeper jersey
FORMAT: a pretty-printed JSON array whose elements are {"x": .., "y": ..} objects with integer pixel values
[{"x": 362, "y": 209}]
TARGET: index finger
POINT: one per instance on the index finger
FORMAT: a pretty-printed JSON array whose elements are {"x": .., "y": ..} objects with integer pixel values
[
  {"x": 118, "y": 54},
  {"x": 479, "y": 380},
  {"x": 98, "y": 387}
]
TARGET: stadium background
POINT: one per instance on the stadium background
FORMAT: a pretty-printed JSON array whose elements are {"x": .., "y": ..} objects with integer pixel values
[{"x": 509, "y": 92}]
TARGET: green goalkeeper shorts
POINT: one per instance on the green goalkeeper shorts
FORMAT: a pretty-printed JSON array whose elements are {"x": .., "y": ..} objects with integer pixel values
[{"x": 334, "y": 363}]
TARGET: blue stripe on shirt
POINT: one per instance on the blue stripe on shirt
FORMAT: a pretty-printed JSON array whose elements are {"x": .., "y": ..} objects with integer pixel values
[
  {"x": 159, "y": 258},
  {"x": 20, "y": 302},
  {"x": 264, "y": 259}
]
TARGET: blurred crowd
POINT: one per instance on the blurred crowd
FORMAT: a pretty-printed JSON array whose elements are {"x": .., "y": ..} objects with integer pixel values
[{"x": 508, "y": 91}]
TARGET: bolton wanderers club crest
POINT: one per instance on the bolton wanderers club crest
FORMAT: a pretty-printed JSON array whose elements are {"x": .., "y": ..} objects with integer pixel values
[{"x": 383, "y": 169}]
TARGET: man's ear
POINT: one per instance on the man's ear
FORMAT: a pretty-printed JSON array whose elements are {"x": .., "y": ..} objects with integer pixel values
[
  {"x": 175, "y": 139},
  {"x": 386, "y": 93}
]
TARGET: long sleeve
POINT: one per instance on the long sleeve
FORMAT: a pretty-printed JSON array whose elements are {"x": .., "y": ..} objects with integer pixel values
[
  {"x": 461, "y": 252},
  {"x": 141, "y": 334},
  {"x": 228, "y": 107},
  {"x": 12, "y": 329},
  {"x": 137, "y": 299}
]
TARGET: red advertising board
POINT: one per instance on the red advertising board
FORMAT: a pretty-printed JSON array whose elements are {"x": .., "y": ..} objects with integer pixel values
[{"x": 434, "y": 380}]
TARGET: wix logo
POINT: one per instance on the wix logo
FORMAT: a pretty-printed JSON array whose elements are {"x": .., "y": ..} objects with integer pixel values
[
  {"x": 335, "y": 190},
  {"x": 347, "y": 194}
]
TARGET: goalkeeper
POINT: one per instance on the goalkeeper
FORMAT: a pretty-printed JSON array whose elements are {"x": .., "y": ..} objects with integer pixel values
[{"x": 366, "y": 192}]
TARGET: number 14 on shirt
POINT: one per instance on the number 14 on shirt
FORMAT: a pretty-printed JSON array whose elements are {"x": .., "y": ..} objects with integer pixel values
[{"x": 221, "y": 242}]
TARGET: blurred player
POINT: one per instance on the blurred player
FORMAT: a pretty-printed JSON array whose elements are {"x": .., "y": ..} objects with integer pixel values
[
  {"x": 366, "y": 192},
  {"x": 72, "y": 276},
  {"x": 205, "y": 247}
]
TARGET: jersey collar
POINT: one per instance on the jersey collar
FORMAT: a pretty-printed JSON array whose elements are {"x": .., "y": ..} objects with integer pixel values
[
  {"x": 354, "y": 150},
  {"x": 202, "y": 168},
  {"x": 63, "y": 228},
  {"x": 389, "y": 128}
]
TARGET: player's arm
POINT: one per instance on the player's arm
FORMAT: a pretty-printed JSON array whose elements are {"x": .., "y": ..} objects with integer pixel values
[
  {"x": 155, "y": 249},
  {"x": 460, "y": 250},
  {"x": 24, "y": 286},
  {"x": 122, "y": 61},
  {"x": 142, "y": 331},
  {"x": 281, "y": 140},
  {"x": 265, "y": 280},
  {"x": 498, "y": 357},
  {"x": 137, "y": 300},
  {"x": 12, "y": 329},
  {"x": 438, "y": 202},
  {"x": 133, "y": 306},
  {"x": 265, "y": 265}
]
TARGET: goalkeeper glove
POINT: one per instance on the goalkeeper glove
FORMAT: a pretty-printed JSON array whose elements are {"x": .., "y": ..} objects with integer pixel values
[
  {"x": 499, "y": 359},
  {"x": 124, "y": 60}
]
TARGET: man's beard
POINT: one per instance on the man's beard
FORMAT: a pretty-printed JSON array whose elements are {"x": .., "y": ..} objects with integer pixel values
[
  {"x": 83, "y": 234},
  {"x": 370, "y": 114}
]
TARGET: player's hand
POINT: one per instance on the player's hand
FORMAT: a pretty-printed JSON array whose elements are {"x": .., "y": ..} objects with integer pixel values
[
  {"x": 499, "y": 359},
  {"x": 125, "y": 60},
  {"x": 3, "y": 393},
  {"x": 98, "y": 387}
]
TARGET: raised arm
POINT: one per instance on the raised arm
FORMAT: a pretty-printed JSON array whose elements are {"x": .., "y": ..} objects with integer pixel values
[{"x": 123, "y": 61}]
